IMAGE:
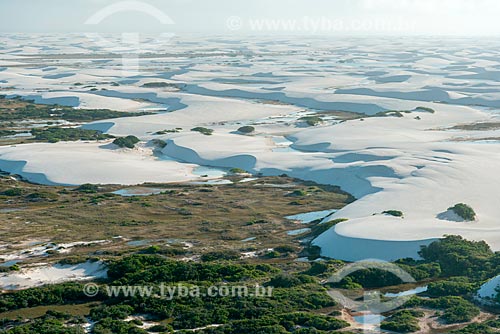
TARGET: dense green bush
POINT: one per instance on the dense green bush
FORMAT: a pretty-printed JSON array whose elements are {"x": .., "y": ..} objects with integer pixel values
[
  {"x": 297, "y": 193},
  {"x": 161, "y": 329},
  {"x": 202, "y": 130},
  {"x": 5, "y": 133},
  {"x": 320, "y": 322},
  {"x": 160, "y": 84},
  {"x": 285, "y": 249},
  {"x": 115, "y": 312},
  {"x": 311, "y": 120},
  {"x": 41, "y": 196},
  {"x": 244, "y": 314},
  {"x": 43, "y": 325},
  {"x": 110, "y": 326},
  {"x": 405, "y": 321},
  {"x": 456, "y": 309},
  {"x": 138, "y": 269},
  {"x": 421, "y": 271},
  {"x": 459, "y": 257},
  {"x": 81, "y": 115},
  {"x": 154, "y": 249},
  {"x": 246, "y": 129},
  {"x": 88, "y": 188},
  {"x": 429, "y": 110},
  {"x": 49, "y": 295},
  {"x": 54, "y": 135},
  {"x": 237, "y": 171},
  {"x": 159, "y": 143},
  {"x": 285, "y": 281},
  {"x": 128, "y": 142},
  {"x": 475, "y": 329},
  {"x": 13, "y": 192},
  {"x": 460, "y": 313},
  {"x": 164, "y": 132},
  {"x": 221, "y": 255},
  {"x": 464, "y": 211},
  {"x": 394, "y": 213},
  {"x": 349, "y": 284},
  {"x": 373, "y": 278},
  {"x": 450, "y": 288},
  {"x": 48, "y": 112}
]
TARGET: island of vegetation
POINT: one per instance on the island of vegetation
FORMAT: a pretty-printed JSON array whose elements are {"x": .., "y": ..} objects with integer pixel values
[
  {"x": 395, "y": 213},
  {"x": 311, "y": 120},
  {"x": 237, "y": 171},
  {"x": 126, "y": 142},
  {"x": 246, "y": 129},
  {"x": 12, "y": 109},
  {"x": 464, "y": 211},
  {"x": 202, "y": 130},
  {"x": 56, "y": 134}
]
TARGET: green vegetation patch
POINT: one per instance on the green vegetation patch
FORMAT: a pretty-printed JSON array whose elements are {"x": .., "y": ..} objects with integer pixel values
[
  {"x": 166, "y": 131},
  {"x": 404, "y": 321},
  {"x": 475, "y": 329},
  {"x": 54, "y": 135},
  {"x": 311, "y": 120},
  {"x": 395, "y": 213},
  {"x": 459, "y": 257},
  {"x": 5, "y": 133},
  {"x": 128, "y": 142},
  {"x": 296, "y": 302},
  {"x": 425, "y": 109},
  {"x": 455, "y": 309},
  {"x": 456, "y": 287},
  {"x": 202, "y": 130},
  {"x": 237, "y": 171},
  {"x": 20, "y": 109},
  {"x": 464, "y": 211},
  {"x": 12, "y": 192},
  {"x": 161, "y": 84},
  {"x": 479, "y": 126},
  {"x": 220, "y": 255},
  {"x": 246, "y": 129},
  {"x": 88, "y": 188}
]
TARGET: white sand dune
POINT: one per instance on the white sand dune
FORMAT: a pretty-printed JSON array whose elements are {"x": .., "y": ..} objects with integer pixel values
[
  {"x": 489, "y": 290},
  {"x": 42, "y": 275},
  {"x": 10, "y": 63},
  {"x": 74, "y": 163},
  {"x": 198, "y": 111}
]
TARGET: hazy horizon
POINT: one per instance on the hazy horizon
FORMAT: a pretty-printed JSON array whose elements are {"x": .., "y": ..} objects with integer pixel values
[{"x": 295, "y": 17}]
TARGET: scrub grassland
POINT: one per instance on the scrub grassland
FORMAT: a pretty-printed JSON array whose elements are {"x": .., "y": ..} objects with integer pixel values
[{"x": 206, "y": 216}]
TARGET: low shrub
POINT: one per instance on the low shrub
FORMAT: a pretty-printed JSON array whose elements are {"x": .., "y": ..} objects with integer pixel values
[
  {"x": 246, "y": 129},
  {"x": 311, "y": 120},
  {"x": 128, "y": 142},
  {"x": 202, "y": 130},
  {"x": 464, "y": 211},
  {"x": 394, "y": 213}
]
